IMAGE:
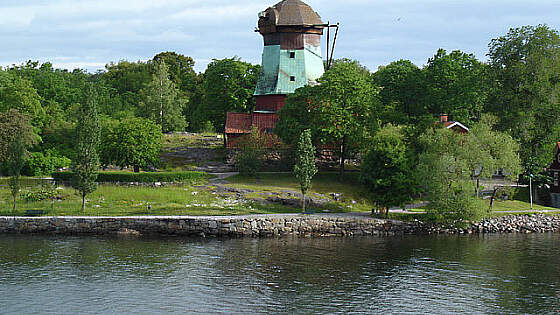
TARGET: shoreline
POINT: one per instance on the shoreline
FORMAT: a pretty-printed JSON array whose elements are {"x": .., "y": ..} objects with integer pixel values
[{"x": 270, "y": 225}]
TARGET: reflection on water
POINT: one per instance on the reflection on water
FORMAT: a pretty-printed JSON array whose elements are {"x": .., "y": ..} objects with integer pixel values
[{"x": 509, "y": 274}]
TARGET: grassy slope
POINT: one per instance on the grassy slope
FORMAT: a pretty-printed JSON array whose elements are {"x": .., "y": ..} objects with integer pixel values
[{"x": 323, "y": 183}]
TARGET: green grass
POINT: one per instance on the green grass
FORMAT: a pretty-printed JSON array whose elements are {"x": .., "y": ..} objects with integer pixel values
[
  {"x": 516, "y": 205},
  {"x": 323, "y": 183},
  {"x": 111, "y": 200},
  {"x": 204, "y": 140}
]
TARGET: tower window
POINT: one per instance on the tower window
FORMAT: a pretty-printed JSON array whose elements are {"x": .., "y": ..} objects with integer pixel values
[
  {"x": 292, "y": 54},
  {"x": 292, "y": 78}
]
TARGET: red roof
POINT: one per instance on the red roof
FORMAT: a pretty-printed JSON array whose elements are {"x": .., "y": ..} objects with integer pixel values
[{"x": 238, "y": 123}]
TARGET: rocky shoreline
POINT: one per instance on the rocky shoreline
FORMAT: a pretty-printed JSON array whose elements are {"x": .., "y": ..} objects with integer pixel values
[{"x": 269, "y": 225}]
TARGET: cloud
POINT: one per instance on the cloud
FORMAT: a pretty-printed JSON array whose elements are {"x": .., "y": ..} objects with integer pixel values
[{"x": 91, "y": 33}]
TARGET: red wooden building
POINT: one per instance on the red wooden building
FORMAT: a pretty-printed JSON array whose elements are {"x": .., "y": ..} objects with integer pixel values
[{"x": 453, "y": 125}]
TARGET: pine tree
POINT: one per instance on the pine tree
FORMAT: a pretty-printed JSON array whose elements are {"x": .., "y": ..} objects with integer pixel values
[
  {"x": 305, "y": 167},
  {"x": 163, "y": 102},
  {"x": 15, "y": 162},
  {"x": 86, "y": 163}
]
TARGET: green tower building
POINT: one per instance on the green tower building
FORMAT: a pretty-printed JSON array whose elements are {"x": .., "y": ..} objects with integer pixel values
[
  {"x": 292, "y": 52},
  {"x": 291, "y": 59}
]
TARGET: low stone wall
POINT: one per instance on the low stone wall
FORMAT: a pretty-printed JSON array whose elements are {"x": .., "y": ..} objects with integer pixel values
[{"x": 272, "y": 225}]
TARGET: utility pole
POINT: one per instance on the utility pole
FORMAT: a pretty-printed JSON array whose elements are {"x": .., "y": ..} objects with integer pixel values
[{"x": 531, "y": 189}]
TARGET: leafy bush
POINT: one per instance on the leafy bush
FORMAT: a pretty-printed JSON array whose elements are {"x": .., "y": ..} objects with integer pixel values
[
  {"x": 147, "y": 177},
  {"x": 43, "y": 194},
  {"x": 505, "y": 193},
  {"x": 41, "y": 164}
]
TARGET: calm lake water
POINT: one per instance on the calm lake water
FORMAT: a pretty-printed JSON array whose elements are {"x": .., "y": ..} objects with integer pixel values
[{"x": 509, "y": 274}]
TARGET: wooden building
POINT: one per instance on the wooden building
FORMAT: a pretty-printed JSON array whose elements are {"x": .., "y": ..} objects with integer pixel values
[
  {"x": 291, "y": 59},
  {"x": 453, "y": 125}
]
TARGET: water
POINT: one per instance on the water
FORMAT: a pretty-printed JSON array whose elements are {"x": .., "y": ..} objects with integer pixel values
[{"x": 508, "y": 274}]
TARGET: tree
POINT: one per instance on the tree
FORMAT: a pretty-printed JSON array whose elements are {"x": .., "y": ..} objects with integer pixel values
[
  {"x": 181, "y": 70},
  {"x": 15, "y": 162},
  {"x": 340, "y": 112},
  {"x": 86, "y": 164},
  {"x": 133, "y": 142},
  {"x": 18, "y": 93},
  {"x": 402, "y": 92},
  {"x": 124, "y": 81},
  {"x": 251, "y": 150},
  {"x": 457, "y": 84},
  {"x": 446, "y": 177},
  {"x": 162, "y": 102},
  {"x": 386, "y": 171},
  {"x": 450, "y": 161},
  {"x": 305, "y": 167},
  {"x": 488, "y": 151},
  {"x": 228, "y": 87},
  {"x": 525, "y": 66},
  {"x": 13, "y": 123}
]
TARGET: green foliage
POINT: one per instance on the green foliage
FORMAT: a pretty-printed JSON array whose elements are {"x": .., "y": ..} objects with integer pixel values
[
  {"x": 386, "y": 171},
  {"x": 144, "y": 177},
  {"x": 228, "y": 87},
  {"x": 133, "y": 142},
  {"x": 14, "y": 124},
  {"x": 451, "y": 160},
  {"x": 457, "y": 84},
  {"x": 42, "y": 164},
  {"x": 526, "y": 94},
  {"x": 305, "y": 167},
  {"x": 18, "y": 93},
  {"x": 39, "y": 195},
  {"x": 251, "y": 153},
  {"x": 403, "y": 92},
  {"x": 162, "y": 101},
  {"x": 342, "y": 110},
  {"x": 15, "y": 162},
  {"x": 87, "y": 141},
  {"x": 181, "y": 70}
]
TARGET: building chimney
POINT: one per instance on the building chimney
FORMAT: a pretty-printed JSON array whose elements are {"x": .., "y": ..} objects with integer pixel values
[{"x": 443, "y": 118}]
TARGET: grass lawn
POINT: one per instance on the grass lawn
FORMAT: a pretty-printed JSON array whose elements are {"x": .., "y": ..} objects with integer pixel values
[
  {"x": 323, "y": 183},
  {"x": 516, "y": 205},
  {"x": 110, "y": 200}
]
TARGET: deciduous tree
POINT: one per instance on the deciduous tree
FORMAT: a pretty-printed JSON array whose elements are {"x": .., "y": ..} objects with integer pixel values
[
  {"x": 133, "y": 142},
  {"x": 305, "y": 167},
  {"x": 386, "y": 171},
  {"x": 86, "y": 163},
  {"x": 16, "y": 160},
  {"x": 162, "y": 101},
  {"x": 228, "y": 87}
]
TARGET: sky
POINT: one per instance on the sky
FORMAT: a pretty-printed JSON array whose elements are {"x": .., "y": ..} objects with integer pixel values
[{"x": 88, "y": 34}]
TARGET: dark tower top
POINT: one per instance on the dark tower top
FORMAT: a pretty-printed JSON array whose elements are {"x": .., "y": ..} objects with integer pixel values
[{"x": 290, "y": 16}]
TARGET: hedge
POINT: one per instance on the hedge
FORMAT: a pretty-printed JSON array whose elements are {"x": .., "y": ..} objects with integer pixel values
[{"x": 145, "y": 177}]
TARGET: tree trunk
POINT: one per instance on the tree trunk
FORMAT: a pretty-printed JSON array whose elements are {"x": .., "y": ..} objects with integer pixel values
[
  {"x": 303, "y": 205},
  {"x": 14, "y": 210},
  {"x": 136, "y": 169},
  {"x": 83, "y": 203},
  {"x": 477, "y": 189},
  {"x": 342, "y": 157}
]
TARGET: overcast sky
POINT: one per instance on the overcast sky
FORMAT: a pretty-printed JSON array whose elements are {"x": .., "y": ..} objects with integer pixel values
[{"x": 91, "y": 33}]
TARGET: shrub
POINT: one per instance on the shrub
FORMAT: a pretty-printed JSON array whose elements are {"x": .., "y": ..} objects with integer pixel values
[
  {"x": 43, "y": 194},
  {"x": 147, "y": 177},
  {"x": 41, "y": 164}
]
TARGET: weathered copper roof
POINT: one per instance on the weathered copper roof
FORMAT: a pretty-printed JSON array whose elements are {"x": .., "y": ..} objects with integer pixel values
[{"x": 291, "y": 13}]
